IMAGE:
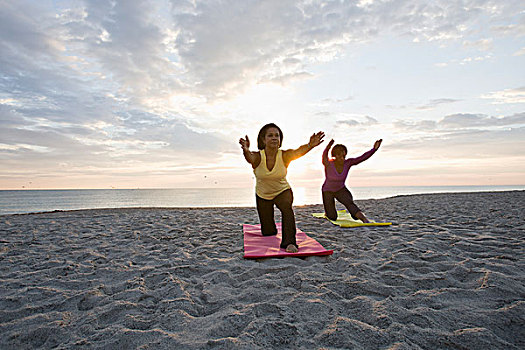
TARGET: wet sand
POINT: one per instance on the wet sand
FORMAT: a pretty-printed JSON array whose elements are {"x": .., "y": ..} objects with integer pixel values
[{"x": 448, "y": 274}]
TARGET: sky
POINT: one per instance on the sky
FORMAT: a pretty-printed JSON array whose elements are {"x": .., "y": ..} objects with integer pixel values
[{"x": 156, "y": 94}]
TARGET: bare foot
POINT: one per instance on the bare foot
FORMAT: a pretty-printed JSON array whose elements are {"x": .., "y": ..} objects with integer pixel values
[
  {"x": 361, "y": 216},
  {"x": 291, "y": 249}
]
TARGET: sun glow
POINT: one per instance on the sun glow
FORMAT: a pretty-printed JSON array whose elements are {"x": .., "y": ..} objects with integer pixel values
[{"x": 269, "y": 103}]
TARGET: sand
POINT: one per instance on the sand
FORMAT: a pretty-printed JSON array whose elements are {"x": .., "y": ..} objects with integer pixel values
[{"x": 448, "y": 274}]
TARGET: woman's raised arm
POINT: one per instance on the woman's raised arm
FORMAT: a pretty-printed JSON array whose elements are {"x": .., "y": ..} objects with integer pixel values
[
  {"x": 254, "y": 158},
  {"x": 326, "y": 150},
  {"x": 291, "y": 154}
]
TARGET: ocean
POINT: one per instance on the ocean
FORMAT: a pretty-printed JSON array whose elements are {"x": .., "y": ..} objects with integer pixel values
[{"x": 33, "y": 201}]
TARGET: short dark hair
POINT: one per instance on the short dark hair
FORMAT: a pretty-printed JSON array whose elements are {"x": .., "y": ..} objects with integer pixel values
[
  {"x": 262, "y": 134},
  {"x": 339, "y": 147}
]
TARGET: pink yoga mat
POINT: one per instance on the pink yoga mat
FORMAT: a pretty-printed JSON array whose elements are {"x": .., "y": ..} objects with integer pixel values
[{"x": 258, "y": 246}]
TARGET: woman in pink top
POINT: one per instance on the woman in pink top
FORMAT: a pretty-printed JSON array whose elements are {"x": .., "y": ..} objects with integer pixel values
[{"x": 336, "y": 171}]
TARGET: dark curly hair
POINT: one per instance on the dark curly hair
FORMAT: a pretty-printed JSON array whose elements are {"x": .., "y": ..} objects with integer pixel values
[
  {"x": 262, "y": 134},
  {"x": 339, "y": 147}
]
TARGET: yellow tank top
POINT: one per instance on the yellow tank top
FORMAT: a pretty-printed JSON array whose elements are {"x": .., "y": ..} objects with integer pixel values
[{"x": 271, "y": 183}]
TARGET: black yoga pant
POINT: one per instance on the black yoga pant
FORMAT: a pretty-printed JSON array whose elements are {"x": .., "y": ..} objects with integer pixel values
[
  {"x": 345, "y": 197},
  {"x": 283, "y": 201}
]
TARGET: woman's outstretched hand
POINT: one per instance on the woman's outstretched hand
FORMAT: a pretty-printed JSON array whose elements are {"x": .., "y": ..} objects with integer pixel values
[
  {"x": 245, "y": 143},
  {"x": 378, "y": 143},
  {"x": 316, "y": 139}
]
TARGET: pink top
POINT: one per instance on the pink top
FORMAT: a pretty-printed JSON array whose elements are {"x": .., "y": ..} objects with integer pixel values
[{"x": 334, "y": 181}]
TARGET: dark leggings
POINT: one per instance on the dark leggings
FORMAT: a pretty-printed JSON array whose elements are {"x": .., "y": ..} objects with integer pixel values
[
  {"x": 345, "y": 197},
  {"x": 283, "y": 201}
]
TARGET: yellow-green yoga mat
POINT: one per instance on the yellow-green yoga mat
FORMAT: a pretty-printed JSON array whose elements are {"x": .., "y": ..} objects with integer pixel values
[{"x": 344, "y": 219}]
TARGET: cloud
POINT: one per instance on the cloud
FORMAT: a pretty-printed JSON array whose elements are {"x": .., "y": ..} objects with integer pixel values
[
  {"x": 465, "y": 120},
  {"x": 408, "y": 125},
  {"x": 352, "y": 122},
  {"x": 461, "y": 136},
  {"x": 464, "y": 61},
  {"x": 211, "y": 48},
  {"x": 434, "y": 103},
  {"x": 126, "y": 39},
  {"x": 464, "y": 144},
  {"x": 77, "y": 86},
  {"x": 507, "y": 96},
  {"x": 225, "y": 55},
  {"x": 25, "y": 34},
  {"x": 461, "y": 122},
  {"x": 520, "y": 52},
  {"x": 431, "y": 104},
  {"x": 337, "y": 100},
  {"x": 482, "y": 44},
  {"x": 513, "y": 29},
  {"x": 9, "y": 118},
  {"x": 287, "y": 78}
]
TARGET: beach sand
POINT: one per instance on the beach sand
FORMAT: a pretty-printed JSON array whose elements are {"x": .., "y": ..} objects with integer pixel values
[{"x": 448, "y": 274}]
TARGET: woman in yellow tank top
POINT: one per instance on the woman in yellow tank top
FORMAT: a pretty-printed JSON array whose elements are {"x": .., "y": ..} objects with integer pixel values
[{"x": 270, "y": 167}]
